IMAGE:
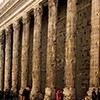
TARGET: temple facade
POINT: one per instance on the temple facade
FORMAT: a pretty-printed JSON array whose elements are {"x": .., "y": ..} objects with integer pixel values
[{"x": 50, "y": 45}]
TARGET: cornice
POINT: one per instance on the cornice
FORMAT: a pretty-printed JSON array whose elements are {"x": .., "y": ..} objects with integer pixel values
[
  {"x": 7, "y": 6},
  {"x": 17, "y": 10}
]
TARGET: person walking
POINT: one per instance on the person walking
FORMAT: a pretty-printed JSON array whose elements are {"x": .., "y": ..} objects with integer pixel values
[
  {"x": 26, "y": 93},
  {"x": 59, "y": 95}
]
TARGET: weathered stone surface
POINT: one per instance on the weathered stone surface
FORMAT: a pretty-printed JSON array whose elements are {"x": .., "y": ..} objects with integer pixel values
[
  {"x": 36, "y": 53},
  {"x": 25, "y": 51},
  {"x": 60, "y": 57},
  {"x": 2, "y": 58},
  {"x": 8, "y": 58},
  {"x": 95, "y": 44},
  {"x": 83, "y": 47},
  {"x": 51, "y": 48},
  {"x": 15, "y": 59},
  {"x": 70, "y": 52}
]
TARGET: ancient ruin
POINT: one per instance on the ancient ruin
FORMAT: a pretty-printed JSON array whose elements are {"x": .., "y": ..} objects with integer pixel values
[{"x": 50, "y": 45}]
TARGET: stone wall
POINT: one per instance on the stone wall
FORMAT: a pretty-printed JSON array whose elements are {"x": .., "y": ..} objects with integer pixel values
[
  {"x": 83, "y": 47},
  {"x": 83, "y": 30},
  {"x": 44, "y": 48},
  {"x": 60, "y": 49}
]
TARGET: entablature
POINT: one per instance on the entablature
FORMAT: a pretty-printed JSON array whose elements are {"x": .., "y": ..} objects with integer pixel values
[{"x": 16, "y": 10}]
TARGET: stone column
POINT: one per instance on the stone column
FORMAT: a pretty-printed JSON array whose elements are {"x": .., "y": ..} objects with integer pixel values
[
  {"x": 51, "y": 49},
  {"x": 8, "y": 63},
  {"x": 25, "y": 51},
  {"x": 70, "y": 51},
  {"x": 15, "y": 59},
  {"x": 36, "y": 53},
  {"x": 95, "y": 48},
  {"x": 2, "y": 58}
]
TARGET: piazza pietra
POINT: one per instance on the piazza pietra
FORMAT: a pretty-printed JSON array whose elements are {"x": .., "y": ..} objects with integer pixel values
[{"x": 50, "y": 45}]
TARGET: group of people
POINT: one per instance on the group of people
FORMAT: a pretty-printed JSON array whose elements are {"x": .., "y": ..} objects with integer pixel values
[
  {"x": 26, "y": 94},
  {"x": 8, "y": 95},
  {"x": 96, "y": 94}
]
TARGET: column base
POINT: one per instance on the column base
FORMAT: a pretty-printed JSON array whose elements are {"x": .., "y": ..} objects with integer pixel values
[
  {"x": 14, "y": 95},
  {"x": 69, "y": 93},
  {"x": 49, "y": 94},
  {"x": 36, "y": 95},
  {"x": 6, "y": 95},
  {"x": 89, "y": 93},
  {"x": 1, "y": 94},
  {"x": 20, "y": 92}
]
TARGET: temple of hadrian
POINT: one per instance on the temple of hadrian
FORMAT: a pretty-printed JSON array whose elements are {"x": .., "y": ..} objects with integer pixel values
[{"x": 50, "y": 45}]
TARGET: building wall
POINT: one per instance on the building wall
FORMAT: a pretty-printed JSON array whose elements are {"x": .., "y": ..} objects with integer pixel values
[
  {"x": 60, "y": 44},
  {"x": 83, "y": 33},
  {"x": 83, "y": 47}
]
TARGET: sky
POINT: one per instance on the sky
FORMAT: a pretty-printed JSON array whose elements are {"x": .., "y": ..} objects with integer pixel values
[{"x": 1, "y": 1}]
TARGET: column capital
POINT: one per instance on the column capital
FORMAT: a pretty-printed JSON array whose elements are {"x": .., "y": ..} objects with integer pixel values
[
  {"x": 26, "y": 18},
  {"x": 52, "y": 3},
  {"x": 1, "y": 33},
  {"x": 16, "y": 25},
  {"x": 38, "y": 10},
  {"x": 7, "y": 30}
]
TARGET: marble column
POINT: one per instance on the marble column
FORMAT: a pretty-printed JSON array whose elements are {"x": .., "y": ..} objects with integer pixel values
[
  {"x": 2, "y": 58},
  {"x": 36, "y": 53},
  {"x": 95, "y": 48},
  {"x": 51, "y": 49},
  {"x": 25, "y": 51},
  {"x": 70, "y": 51},
  {"x": 8, "y": 63},
  {"x": 15, "y": 59}
]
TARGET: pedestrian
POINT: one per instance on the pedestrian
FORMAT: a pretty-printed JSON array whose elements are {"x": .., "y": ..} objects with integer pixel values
[
  {"x": 59, "y": 95},
  {"x": 26, "y": 93},
  {"x": 94, "y": 95},
  {"x": 98, "y": 93}
]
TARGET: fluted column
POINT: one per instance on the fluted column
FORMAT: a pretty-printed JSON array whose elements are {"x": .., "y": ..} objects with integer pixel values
[
  {"x": 36, "y": 53},
  {"x": 70, "y": 51},
  {"x": 51, "y": 49},
  {"x": 25, "y": 51},
  {"x": 8, "y": 48},
  {"x": 15, "y": 59},
  {"x": 95, "y": 48},
  {"x": 2, "y": 58}
]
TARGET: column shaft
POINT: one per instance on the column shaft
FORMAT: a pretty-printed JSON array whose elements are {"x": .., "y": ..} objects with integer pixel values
[
  {"x": 25, "y": 51},
  {"x": 70, "y": 53},
  {"x": 8, "y": 51},
  {"x": 95, "y": 44},
  {"x": 95, "y": 48},
  {"x": 36, "y": 52},
  {"x": 51, "y": 48},
  {"x": 2, "y": 58},
  {"x": 15, "y": 60}
]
